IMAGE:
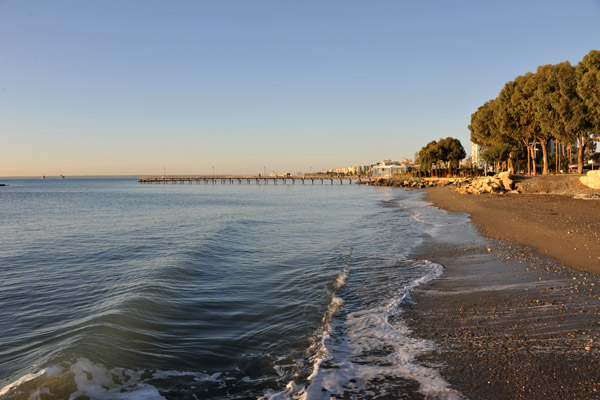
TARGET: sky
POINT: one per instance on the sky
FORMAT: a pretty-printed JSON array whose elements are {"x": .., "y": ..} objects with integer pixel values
[{"x": 126, "y": 87}]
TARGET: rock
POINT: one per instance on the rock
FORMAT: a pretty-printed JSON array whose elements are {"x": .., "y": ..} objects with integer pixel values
[
  {"x": 506, "y": 181},
  {"x": 591, "y": 180},
  {"x": 586, "y": 196}
]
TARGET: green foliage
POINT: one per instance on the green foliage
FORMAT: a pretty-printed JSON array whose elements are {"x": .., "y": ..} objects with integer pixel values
[
  {"x": 497, "y": 153},
  {"x": 451, "y": 151},
  {"x": 483, "y": 127},
  {"x": 558, "y": 102},
  {"x": 588, "y": 82},
  {"x": 428, "y": 155},
  {"x": 448, "y": 150}
]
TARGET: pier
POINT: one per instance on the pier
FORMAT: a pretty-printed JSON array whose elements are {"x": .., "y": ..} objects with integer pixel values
[{"x": 258, "y": 180}]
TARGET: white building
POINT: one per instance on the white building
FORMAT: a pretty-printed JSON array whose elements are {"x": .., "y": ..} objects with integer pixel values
[
  {"x": 390, "y": 170},
  {"x": 476, "y": 159}
]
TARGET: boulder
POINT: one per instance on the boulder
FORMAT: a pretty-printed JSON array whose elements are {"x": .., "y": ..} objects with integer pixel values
[
  {"x": 591, "y": 179},
  {"x": 506, "y": 181}
]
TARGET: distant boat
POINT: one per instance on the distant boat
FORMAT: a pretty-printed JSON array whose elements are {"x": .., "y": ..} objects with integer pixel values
[{"x": 43, "y": 177}]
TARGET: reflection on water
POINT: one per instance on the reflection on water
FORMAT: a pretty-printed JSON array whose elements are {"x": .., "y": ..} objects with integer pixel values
[{"x": 111, "y": 289}]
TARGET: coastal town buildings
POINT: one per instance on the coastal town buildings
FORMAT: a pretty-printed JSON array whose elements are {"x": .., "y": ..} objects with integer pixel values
[
  {"x": 384, "y": 168},
  {"x": 391, "y": 168},
  {"x": 356, "y": 170}
]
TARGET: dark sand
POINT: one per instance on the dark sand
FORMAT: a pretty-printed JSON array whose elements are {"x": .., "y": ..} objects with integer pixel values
[
  {"x": 560, "y": 226},
  {"x": 511, "y": 323}
]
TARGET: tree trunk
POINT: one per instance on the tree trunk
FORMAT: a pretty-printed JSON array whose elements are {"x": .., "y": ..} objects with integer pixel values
[
  {"x": 527, "y": 145},
  {"x": 544, "y": 143},
  {"x": 581, "y": 143},
  {"x": 511, "y": 165},
  {"x": 557, "y": 158},
  {"x": 570, "y": 149},
  {"x": 533, "y": 166}
]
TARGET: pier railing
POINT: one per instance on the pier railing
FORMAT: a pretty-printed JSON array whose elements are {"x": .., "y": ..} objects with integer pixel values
[{"x": 258, "y": 180}]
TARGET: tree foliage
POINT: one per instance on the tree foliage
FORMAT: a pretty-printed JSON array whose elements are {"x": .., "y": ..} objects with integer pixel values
[
  {"x": 448, "y": 150},
  {"x": 483, "y": 127},
  {"x": 559, "y": 102},
  {"x": 428, "y": 155},
  {"x": 497, "y": 152}
]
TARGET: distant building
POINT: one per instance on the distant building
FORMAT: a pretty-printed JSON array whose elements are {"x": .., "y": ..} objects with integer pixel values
[
  {"x": 390, "y": 168},
  {"x": 356, "y": 170},
  {"x": 384, "y": 168},
  {"x": 476, "y": 159}
]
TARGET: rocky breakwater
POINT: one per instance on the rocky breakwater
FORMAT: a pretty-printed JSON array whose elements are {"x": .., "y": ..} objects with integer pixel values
[
  {"x": 419, "y": 183},
  {"x": 499, "y": 184}
]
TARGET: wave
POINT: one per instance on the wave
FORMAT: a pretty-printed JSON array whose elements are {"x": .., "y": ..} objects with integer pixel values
[
  {"x": 372, "y": 350},
  {"x": 88, "y": 379}
]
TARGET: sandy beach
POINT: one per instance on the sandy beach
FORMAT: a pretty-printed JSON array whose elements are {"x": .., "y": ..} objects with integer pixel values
[
  {"x": 511, "y": 321},
  {"x": 560, "y": 226}
]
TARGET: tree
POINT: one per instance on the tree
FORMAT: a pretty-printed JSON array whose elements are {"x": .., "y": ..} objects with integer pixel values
[
  {"x": 450, "y": 150},
  {"x": 545, "y": 99},
  {"x": 587, "y": 76},
  {"x": 483, "y": 128},
  {"x": 428, "y": 155},
  {"x": 514, "y": 115},
  {"x": 558, "y": 101},
  {"x": 485, "y": 133},
  {"x": 497, "y": 153},
  {"x": 572, "y": 122}
]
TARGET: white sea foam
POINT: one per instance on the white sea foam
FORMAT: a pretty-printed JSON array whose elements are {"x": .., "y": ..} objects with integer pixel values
[
  {"x": 198, "y": 376},
  {"x": 375, "y": 347},
  {"x": 431, "y": 220},
  {"x": 29, "y": 377},
  {"x": 318, "y": 348},
  {"x": 97, "y": 382},
  {"x": 341, "y": 279},
  {"x": 343, "y": 276}
]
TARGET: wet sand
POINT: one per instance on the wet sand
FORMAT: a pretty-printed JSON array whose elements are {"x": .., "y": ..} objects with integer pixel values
[
  {"x": 560, "y": 226},
  {"x": 509, "y": 322}
]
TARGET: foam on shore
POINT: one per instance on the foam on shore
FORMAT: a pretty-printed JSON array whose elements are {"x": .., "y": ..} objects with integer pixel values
[{"x": 375, "y": 350}]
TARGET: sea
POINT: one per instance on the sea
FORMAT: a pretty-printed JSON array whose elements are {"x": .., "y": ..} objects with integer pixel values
[{"x": 112, "y": 289}]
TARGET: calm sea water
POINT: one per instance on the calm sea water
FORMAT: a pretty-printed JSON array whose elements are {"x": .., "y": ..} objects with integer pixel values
[{"x": 110, "y": 289}]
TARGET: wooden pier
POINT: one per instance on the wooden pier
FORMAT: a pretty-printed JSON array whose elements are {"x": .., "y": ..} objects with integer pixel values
[{"x": 258, "y": 180}]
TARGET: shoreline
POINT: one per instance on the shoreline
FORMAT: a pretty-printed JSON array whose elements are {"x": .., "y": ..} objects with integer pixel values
[
  {"x": 508, "y": 321},
  {"x": 558, "y": 226}
]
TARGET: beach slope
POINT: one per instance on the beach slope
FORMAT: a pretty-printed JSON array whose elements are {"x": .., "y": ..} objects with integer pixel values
[{"x": 559, "y": 226}]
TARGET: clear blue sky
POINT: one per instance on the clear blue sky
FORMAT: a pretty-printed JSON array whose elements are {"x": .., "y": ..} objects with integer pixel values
[{"x": 130, "y": 87}]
